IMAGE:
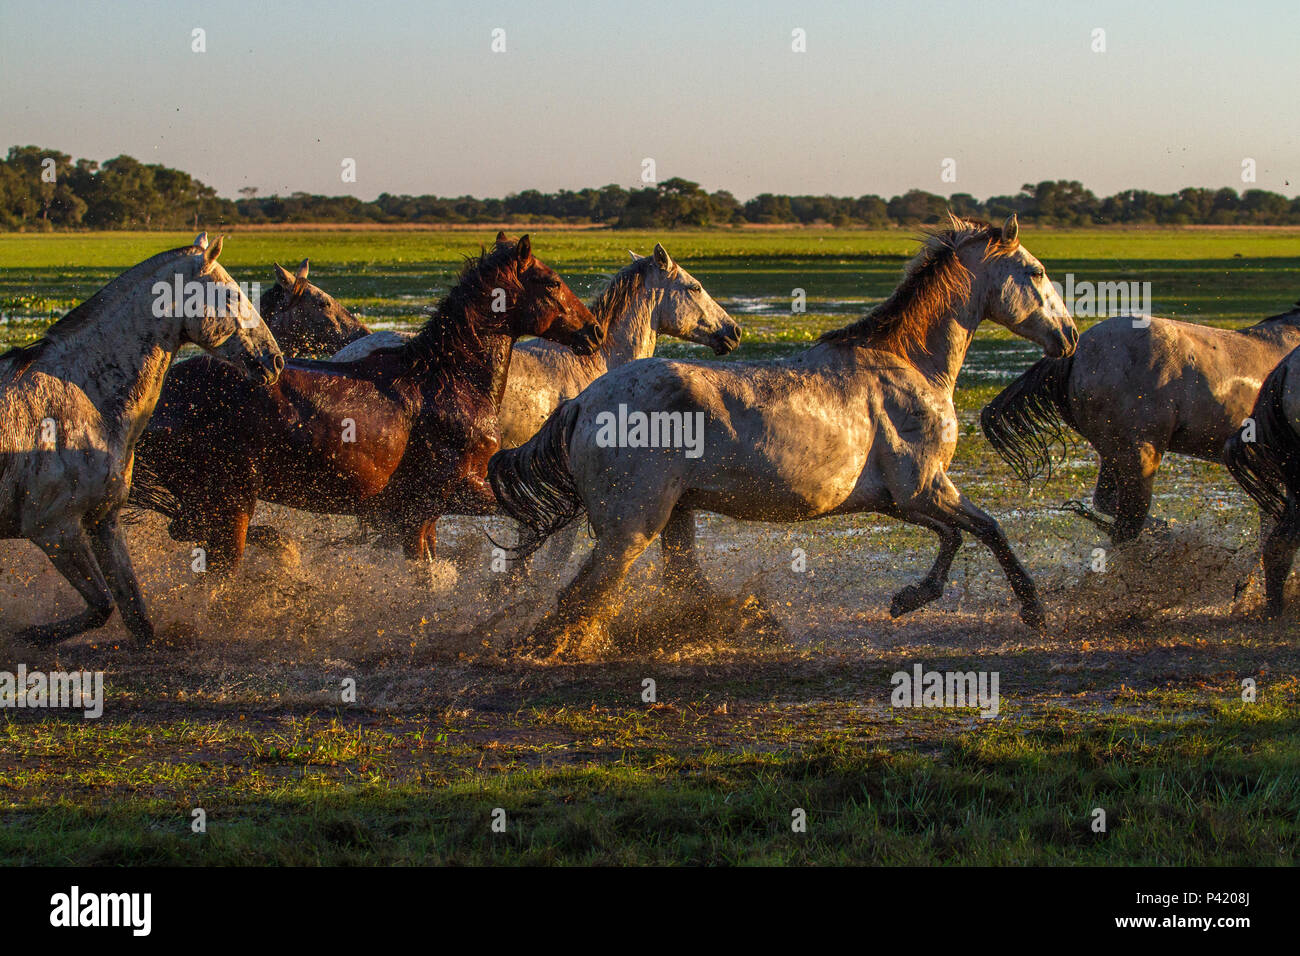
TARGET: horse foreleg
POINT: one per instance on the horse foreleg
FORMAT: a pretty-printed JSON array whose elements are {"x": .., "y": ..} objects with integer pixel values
[
  {"x": 1278, "y": 554},
  {"x": 113, "y": 557},
  {"x": 70, "y": 552},
  {"x": 682, "y": 571},
  {"x": 929, "y": 588},
  {"x": 950, "y": 507}
]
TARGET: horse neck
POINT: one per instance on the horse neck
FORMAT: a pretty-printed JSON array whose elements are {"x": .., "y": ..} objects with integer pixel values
[
  {"x": 120, "y": 360},
  {"x": 946, "y": 342},
  {"x": 631, "y": 335},
  {"x": 478, "y": 359}
]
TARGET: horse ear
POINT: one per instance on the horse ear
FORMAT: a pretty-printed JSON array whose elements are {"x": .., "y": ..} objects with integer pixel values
[
  {"x": 502, "y": 237},
  {"x": 300, "y": 280},
  {"x": 201, "y": 240},
  {"x": 525, "y": 249},
  {"x": 1011, "y": 230},
  {"x": 635, "y": 257},
  {"x": 211, "y": 252},
  {"x": 283, "y": 277},
  {"x": 662, "y": 259}
]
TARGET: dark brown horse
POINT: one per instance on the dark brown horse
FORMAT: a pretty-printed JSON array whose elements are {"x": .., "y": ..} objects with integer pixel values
[
  {"x": 307, "y": 322},
  {"x": 397, "y": 438}
]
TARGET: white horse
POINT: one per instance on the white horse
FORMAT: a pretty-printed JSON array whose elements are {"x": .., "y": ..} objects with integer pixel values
[
  {"x": 651, "y": 296},
  {"x": 73, "y": 403},
  {"x": 863, "y": 421}
]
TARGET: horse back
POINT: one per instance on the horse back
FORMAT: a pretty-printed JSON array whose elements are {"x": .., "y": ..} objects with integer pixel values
[{"x": 1177, "y": 386}]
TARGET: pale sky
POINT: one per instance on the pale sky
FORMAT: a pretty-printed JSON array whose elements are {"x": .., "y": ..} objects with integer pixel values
[{"x": 886, "y": 91}]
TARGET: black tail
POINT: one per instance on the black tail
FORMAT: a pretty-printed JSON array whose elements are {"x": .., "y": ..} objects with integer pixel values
[
  {"x": 1268, "y": 467},
  {"x": 533, "y": 483},
  {"x": 1027, "y": 418},
  {"x": 148, "y": 492}
]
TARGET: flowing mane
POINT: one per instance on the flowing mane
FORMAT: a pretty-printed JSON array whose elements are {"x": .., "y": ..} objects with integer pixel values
[
  {"x": 933, "y": 282},
  {"x": 90, "y": 310},
  {"x": 452, "y": 330},
  {"x": 613, "y": 298},
  {"x": 619, "y": 289}
]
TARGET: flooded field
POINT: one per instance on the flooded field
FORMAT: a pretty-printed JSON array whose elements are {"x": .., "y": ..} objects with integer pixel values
[{"x": 1131, "y": 698}]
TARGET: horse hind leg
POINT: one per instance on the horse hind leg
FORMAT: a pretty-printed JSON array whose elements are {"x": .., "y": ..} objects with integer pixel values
[
  {"x": 70, "y": 552},
  {"x": 579, "y": 624},
  {"x": 284, "y": 548},
  {"x": 1105, "y": 495},
  {"x": 227, "y": 534},
  {"x": 682, "y": 574},
  {"x": 929, "y": 588},
  {"x": 950, "y": 507},
  {"x": 1135, "y": 475},
  {"x": 1278, "y": 554}
]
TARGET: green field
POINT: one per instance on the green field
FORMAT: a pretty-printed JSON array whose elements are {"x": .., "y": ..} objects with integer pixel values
[{"x": 1131, "y": 702}]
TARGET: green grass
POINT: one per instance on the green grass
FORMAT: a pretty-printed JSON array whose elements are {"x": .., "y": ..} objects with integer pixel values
[
  {"x": 1226, "y": 276},
  {"x": 1193, "y": 780}
]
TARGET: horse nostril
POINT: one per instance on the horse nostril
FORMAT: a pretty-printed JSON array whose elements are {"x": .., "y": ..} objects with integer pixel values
[{"x": 277, "y": 363}]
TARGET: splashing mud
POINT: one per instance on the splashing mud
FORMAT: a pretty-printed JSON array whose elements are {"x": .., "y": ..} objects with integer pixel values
[{"x": 333, "y": 595}]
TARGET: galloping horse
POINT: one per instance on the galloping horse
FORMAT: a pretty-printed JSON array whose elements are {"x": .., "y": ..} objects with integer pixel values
[
  {"x": 1267, "y": 465},
  {"x": 73, "y": 404},
  {"x": 651, "y": 296},
  {"x": 1136, "y": 389},
  {"x": 307, "y": 322},
  {"x": 862, "y": 421},
  {"x": 397, "y": 438}
]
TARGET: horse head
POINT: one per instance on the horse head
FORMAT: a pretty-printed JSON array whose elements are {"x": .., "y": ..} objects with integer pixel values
[
  {"x": 535, "y": 300},
  {"x": 1020, "y": 297},
  {"x": 683, "y": 309},
  {"x": 222, "y": 320},
  {"x": 305, "y": 319}
]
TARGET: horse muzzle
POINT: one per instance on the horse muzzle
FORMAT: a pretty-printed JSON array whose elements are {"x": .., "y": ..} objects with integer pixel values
[
  {"x": 265, "y": 370},
  {"x": 725, "y": 340},
  {"x": 586, "y": 340}
]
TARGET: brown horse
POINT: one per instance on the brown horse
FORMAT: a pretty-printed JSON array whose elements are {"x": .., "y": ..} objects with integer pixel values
[
  {"x": 397, "y": 438},
  {"x": 307, "y": 321}
]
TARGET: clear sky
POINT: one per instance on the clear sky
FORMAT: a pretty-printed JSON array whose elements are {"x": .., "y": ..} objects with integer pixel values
[{"x": 1012, "y": 91}]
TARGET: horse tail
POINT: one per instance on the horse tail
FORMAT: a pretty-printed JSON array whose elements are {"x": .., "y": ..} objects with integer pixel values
[
  {"x": 534, "y": 484},
  {"x": 148, "y": 490},
  {"x": 1268, "y": 467},
  {"x": 1026, "y": 419}
]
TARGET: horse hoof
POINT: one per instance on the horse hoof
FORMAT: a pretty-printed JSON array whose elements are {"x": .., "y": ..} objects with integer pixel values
[
  {"x": 1035, "y": 616},
  {"x": 910, "y": 598}
]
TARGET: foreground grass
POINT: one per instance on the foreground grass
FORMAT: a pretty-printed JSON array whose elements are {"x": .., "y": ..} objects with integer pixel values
[{"x": 1199, "y": 779}]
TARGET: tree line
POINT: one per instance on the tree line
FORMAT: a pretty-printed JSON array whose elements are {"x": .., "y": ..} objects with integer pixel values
[{"x": 46, "y": 189}]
